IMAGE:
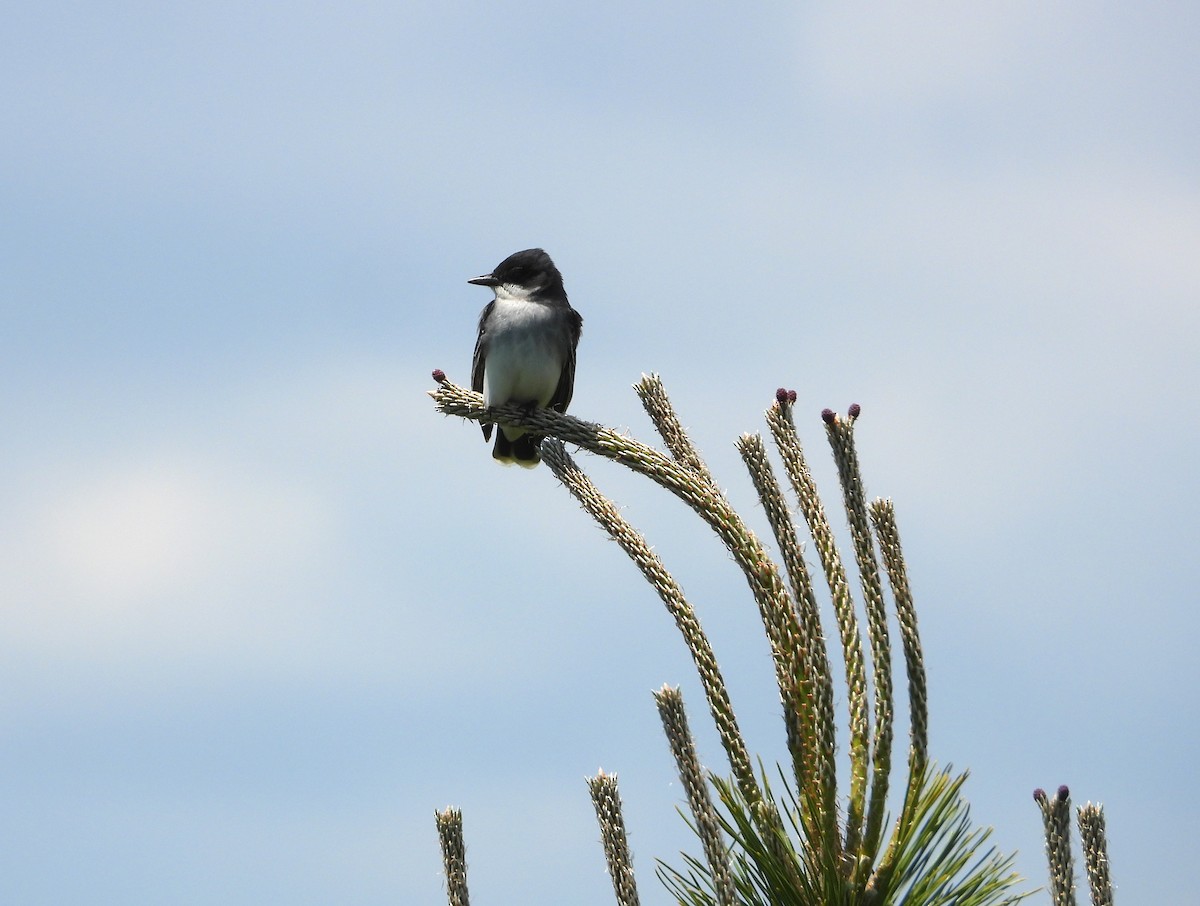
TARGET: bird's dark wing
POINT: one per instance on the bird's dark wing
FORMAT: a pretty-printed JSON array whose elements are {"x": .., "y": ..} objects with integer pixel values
[
  {"x": 480, "y": 350},
  {"x": 566, "y": 381},
  {"x": 477, "y": 363}
]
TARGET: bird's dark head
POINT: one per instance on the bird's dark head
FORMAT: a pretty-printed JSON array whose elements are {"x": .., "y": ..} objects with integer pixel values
[{"x": 525, "y": 274}]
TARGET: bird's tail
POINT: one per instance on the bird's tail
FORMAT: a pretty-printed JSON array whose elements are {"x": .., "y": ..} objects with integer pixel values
[{"x": 523, "y": 450}]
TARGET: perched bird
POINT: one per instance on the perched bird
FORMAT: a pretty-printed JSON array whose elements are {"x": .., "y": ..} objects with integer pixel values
[{"x": 525, "y": 351}]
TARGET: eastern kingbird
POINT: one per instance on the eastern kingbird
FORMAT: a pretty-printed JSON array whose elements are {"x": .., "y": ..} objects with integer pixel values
[{"x": 525, "y": 352}]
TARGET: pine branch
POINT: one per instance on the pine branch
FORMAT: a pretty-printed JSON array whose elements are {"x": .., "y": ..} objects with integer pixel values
[
  {"x": 454, "y": 855},
  {"x": 692, "y": 776},
  {"x": 883, "y": 517},
  {"x": 607, "y": 802},
  {"x": 841, "y": 440},
  {"x": 654, "y": 399},
  {"x": 1095, "y": 853},
  {"x": 1056, "y": 818}
]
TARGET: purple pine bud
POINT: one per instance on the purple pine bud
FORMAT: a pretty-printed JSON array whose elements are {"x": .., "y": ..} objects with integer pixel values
[
  {"x": 1063, "y": 793},
  {"x": 791, "y": 396},
  {"x": 1039, "y": 795},
  {"x": 781, "y": 395},
  {"x": 439, "y": 375},
  {"x": 855, "y": 409},
  {"x": 828, "y": 416}
]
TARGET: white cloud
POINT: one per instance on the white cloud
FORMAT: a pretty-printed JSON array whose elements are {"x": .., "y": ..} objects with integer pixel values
[
  {"x": 141, "y": 556},
  {"x": 147, "y": 530},
  {"x": 204, "y": 532}
]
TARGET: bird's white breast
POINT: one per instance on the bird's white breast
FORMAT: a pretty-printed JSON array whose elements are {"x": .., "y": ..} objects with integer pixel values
[{"x": 523, "y": 362}]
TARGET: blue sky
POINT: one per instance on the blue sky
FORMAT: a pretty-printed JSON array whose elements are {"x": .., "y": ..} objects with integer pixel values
[{"x": 264, "y": 611}]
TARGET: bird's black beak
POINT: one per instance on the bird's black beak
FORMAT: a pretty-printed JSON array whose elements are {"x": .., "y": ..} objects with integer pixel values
[{"x": 485, "y": 280}]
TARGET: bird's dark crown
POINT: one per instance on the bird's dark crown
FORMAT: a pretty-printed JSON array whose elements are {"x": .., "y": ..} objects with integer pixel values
[{"x": 531, "y": 269}]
